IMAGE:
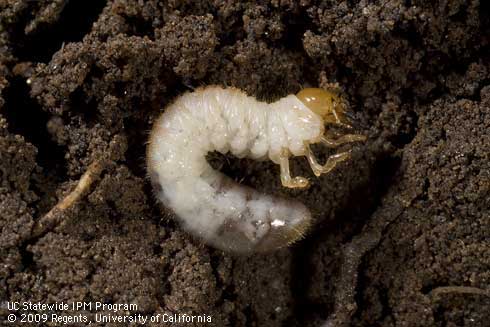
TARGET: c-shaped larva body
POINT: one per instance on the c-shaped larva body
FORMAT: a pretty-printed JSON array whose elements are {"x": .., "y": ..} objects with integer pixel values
[{"x": 210, "y": 205}]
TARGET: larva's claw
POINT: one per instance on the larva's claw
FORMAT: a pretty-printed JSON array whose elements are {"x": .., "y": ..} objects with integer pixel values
[
  {"x": 332, "y": 161},
  {"x": 348, "y": 138},
  {"x": 286, "y": 179},
  {"x": 296, "y": 182}
]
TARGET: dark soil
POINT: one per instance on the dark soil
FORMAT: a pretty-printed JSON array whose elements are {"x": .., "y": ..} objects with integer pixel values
[{"x": 402, "y": 233}]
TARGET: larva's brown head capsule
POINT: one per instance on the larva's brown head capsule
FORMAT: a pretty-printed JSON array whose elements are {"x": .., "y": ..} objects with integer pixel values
[{"x": 324, "y": 103}]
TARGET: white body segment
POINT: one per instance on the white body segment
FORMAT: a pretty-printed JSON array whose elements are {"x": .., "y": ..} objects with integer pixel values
[{"x": 211, "y": 206}]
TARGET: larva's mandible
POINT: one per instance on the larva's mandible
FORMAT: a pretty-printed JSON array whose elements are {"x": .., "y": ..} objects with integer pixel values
[{"x": 224, "y": 214}]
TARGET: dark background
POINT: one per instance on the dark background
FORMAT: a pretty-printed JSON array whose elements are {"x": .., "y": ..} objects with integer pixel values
[{"x": 402, "y": 230}]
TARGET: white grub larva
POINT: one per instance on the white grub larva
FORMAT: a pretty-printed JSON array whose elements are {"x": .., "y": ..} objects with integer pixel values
[{"x": 211, "y": 206}]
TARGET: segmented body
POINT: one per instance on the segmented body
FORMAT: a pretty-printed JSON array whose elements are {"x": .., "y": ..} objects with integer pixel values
[{"x": 210, "y": 205}]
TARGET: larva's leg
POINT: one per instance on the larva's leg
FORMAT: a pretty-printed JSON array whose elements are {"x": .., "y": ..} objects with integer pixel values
[
  {"x": 286, "y": 179},
  {"x": 332, "y": 161},
  {"x": 348, "y": 138}
]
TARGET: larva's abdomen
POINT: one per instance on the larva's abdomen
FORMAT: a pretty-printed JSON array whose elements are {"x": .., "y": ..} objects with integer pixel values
[{"x": 209, "y": 205}]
